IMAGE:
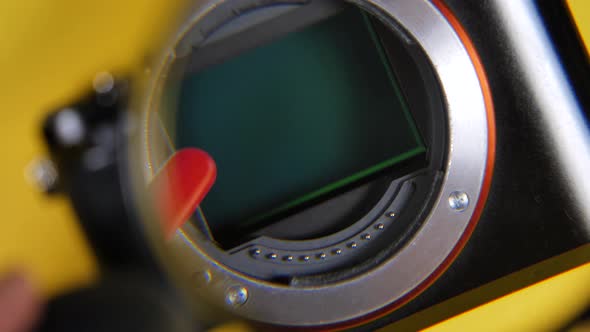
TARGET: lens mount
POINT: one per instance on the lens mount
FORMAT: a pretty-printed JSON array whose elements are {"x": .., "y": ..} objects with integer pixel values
[{"x": 435, "y": 208}]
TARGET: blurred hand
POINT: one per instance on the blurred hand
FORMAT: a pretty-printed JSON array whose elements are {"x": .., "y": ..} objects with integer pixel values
[{"x": 20, "y": 305}]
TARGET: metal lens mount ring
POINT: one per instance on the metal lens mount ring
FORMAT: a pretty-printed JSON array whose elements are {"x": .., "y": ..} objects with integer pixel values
[{"x": 444, "y": 228}]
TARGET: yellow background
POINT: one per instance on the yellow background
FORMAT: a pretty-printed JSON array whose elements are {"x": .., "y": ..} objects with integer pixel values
[{"x": 49, "y": 52}]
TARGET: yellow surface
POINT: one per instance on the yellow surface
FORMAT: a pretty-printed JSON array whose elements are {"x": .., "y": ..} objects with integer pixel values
[
  {"x": 581, "y": 12},
  {"x": 546, "y": 306},
  {"x": 233, "y": 327},
  {"x": 49, "y": 51}
]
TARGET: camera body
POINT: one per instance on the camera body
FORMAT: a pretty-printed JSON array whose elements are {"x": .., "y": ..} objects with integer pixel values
[
  {"x": 527, "y": 231},
  {"x": 507, "y": 148}
]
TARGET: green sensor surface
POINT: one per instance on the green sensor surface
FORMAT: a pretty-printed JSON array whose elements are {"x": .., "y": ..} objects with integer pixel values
[{"x": 295, "y": 120}]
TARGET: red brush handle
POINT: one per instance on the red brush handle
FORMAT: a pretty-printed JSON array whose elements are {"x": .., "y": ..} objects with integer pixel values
[{"x": 181, "y": 185}]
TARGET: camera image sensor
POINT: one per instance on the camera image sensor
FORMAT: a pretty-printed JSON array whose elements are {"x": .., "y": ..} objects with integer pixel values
[{"x": 298, "y": 118}]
